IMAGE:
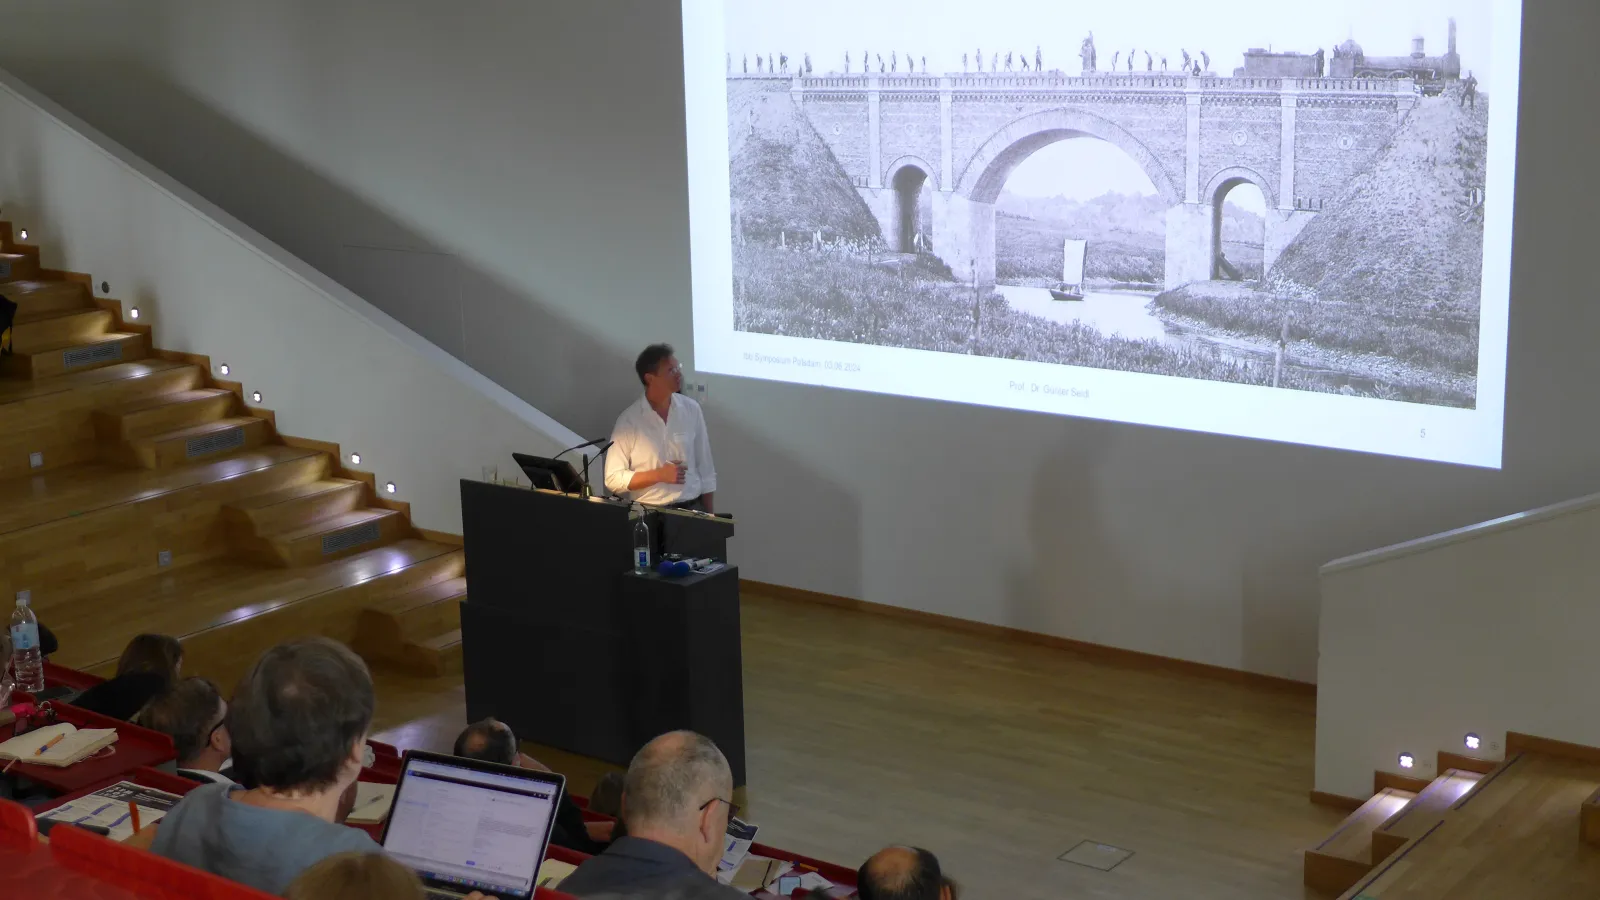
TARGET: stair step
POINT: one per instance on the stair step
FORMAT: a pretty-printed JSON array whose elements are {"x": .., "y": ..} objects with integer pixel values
[
  {"x": 36, "y": 332},
  {"x": 1423, "y": 813},
  {"x": 106, "y": 349},
  {"x": 295, "y": 507},
  {"x": 336, "y": 536},
  {"x": 385, "y": 629},
  {"x": 161, "y": 413},
  {"x": 18, "y": 267},
  {"x": 174, "y": 448},
  {"x": 1345, "y": 856},
  {"x": 39, "y": 298},
  {"x": 438, "y": 655}
]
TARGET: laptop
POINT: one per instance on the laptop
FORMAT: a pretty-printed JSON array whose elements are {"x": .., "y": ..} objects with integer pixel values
[{"x": 465, "y": 826}]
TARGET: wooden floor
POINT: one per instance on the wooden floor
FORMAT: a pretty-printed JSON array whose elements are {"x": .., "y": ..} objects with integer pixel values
[{"x": 864, "y": 731}]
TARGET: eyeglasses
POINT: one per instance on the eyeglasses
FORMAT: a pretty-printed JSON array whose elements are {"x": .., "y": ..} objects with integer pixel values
[{"x": 733, "y": 808}]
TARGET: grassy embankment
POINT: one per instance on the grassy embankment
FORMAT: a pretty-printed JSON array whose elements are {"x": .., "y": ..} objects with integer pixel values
[{"x": 838, "y": 298}]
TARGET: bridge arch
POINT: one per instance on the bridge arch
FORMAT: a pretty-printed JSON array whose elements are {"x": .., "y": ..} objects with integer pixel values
[
  {"x": 1216, "y": 192},
  {"x": 1008, "y": 147},
  {"x": 913, "y": 181}
]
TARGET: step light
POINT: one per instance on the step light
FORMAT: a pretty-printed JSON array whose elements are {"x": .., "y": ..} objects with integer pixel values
[
  {"x": 1407, "y": 760},
  {"x": 224, "y": 369},
  {"x": 24, "y": 234},
  {"x": 134, "y": 312},
  {"x": 390, "y": 487},
  {"x": 355, "y": 459},
  {"x": 1473, "y": 742},
  {"x": 255, "y": 397}
]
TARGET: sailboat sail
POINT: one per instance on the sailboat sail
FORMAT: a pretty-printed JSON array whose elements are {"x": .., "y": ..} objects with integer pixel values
[{"x": 1072, "y": 261}]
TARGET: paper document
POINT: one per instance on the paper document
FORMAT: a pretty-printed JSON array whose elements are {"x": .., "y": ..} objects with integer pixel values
[
  {"x": 741, "y": 835},
  {"x": 372, "y": 803},
  {"x": 108, "y": 808},
  {"x": 552, "y": 872},
  {"x": 757, "y": 872}
]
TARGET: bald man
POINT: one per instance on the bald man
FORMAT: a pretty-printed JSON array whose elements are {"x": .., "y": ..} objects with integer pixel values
[
  {"x": 903, "y": 873},
  {"x": 676, "y": 801}
]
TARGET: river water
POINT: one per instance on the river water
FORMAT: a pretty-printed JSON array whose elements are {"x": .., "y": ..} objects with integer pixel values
[{"x": 1123, "y": 312}]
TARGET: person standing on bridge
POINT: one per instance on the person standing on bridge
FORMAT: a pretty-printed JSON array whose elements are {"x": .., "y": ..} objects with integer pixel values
[
  {"x": 847, "y": 62},
  {"x": 894, "y": 61},
  {"x": 924, "y": 65},
  {"x": 808, "y": 64},
  {"x": 747, "y": 64},
  {"x": 1206, "y": 59},
  {"x": 783, "y": 63},
  {"x": 1114, "y": 58},
  {"x": 964, "y": 63},
  {"x": 1130, "y": 60},
  {"x": 1163, "y": 62},
  {"x": 994, "y": 62},
  {"x": 980, "y": 59},
  {"x": 1024, "y": 62},
  {"x": 1186, "y": 59},
  {"x": 1469, "y": 91},
  {"x": 1038, "y": 59},
  {"x": 1149, "y": 62}
]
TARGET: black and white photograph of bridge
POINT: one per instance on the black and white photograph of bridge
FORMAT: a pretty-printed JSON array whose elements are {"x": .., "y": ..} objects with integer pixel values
[{"x": 1256, "y": 192}]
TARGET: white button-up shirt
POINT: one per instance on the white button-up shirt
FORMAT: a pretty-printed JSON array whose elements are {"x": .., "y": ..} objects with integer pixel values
[{"x": 643, "y": 441}]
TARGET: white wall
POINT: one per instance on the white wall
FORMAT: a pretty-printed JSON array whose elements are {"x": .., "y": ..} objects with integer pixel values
[
  {"x": 332, "y": 366},
  {"x": 536, "y": 151},
  {"x": 1487, "y": 630}
]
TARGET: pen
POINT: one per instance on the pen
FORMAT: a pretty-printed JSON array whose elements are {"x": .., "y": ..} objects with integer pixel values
[
  {"x": 133, "y": 811},
  {"x": 53, "y": 741}
]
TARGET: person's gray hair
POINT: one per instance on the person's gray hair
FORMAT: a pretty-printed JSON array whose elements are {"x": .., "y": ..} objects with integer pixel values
[{"x": 670, "y": 777}]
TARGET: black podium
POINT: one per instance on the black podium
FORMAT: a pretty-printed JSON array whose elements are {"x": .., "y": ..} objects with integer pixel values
[{"x": 565, "y": 644}]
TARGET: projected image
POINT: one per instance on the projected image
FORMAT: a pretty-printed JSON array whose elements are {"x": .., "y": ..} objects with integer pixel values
[{"x": 1249, "y": 192}]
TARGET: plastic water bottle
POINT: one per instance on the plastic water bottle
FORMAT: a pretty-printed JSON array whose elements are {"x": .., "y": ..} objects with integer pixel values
[
  {"x": 641, "y": 546},
  {"x": 26, "y": 659}
]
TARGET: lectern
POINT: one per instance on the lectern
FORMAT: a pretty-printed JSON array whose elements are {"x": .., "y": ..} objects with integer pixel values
[{"x": 561, "y": 641}]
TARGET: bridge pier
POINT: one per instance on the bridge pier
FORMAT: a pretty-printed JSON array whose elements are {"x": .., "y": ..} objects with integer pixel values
[
  {"x": 964, "y": 237},
  {"x": 1283, "y": 226},
  {"x": 1191, "y": 230}
]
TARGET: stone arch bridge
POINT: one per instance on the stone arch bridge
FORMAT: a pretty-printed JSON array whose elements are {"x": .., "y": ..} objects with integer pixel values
[{"x": 1297, "y": 139}]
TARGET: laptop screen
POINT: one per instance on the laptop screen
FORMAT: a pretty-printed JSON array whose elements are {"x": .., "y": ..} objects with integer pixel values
[{"x": 474, "y": 830}]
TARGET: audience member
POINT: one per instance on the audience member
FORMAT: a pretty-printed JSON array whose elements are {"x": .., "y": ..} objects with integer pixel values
[
  {"x": 149, "y": 664},
  {"x": 299, "y": 723},
  {"x": 193, "y": 713},
  {"x": 357, "y": 876},
  {"x": 493, "y": 741},
  {"x": 903, "y": 873},
  {"x": 676, "y": 803},
  {"x": 606, "y": 799}
]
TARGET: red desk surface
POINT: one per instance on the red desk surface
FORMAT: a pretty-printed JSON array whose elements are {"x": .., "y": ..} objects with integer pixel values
[
  {"x": 62, "y": 676},
  {"x": 135, "y": 747},
  {"x": 37, "y": 875}
]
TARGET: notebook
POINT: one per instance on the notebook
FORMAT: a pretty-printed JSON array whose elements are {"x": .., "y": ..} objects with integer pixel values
[
  {"x": 75, "y": 745},
  {"x": 372, "y": 803}
]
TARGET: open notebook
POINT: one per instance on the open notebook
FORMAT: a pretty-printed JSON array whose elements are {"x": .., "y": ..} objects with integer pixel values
[{"x": 75, "y": 744}]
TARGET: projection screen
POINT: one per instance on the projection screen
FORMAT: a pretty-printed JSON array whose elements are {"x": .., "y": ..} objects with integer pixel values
[{"x": 1270, "y": 220}]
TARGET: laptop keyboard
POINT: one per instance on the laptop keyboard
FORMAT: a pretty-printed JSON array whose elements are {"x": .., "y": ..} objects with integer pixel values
[{"x": 443, "y": 895}]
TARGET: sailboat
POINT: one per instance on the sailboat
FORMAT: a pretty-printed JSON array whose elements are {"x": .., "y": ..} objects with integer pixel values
[{"x": 1071, "y": 286}]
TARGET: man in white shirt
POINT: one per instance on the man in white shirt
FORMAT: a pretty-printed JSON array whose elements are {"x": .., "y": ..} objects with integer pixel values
[{"x": 660, "y": 453}]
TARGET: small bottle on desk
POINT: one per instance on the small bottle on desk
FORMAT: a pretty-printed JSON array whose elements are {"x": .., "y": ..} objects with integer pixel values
[{"x": 641, "y": 545}]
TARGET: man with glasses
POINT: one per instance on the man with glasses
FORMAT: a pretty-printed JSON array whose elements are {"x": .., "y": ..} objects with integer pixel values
[
  {"x": 660, "y": 453},
  {"x": 193, "y": 713},
  {"x": 676, "y": 802}
]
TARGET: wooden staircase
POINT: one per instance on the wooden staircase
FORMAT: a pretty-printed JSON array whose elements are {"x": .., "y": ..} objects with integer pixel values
[
  {"x": 1480, "y": 829},
  {"x": 139, "y": 493}
]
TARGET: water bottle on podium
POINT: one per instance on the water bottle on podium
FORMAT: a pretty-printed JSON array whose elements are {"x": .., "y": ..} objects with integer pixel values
[
  {"x": 27, "y": 658},
  {"x": 641, "y": 545}
]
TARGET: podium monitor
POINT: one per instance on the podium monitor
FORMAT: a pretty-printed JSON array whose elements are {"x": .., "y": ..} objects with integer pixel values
[{"x": 550, "y": 474}]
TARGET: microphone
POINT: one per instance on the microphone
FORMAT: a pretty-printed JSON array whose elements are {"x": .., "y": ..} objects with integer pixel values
[
  {"x": 605, "y": 445},
  {"x": 598, "y": 440}
]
